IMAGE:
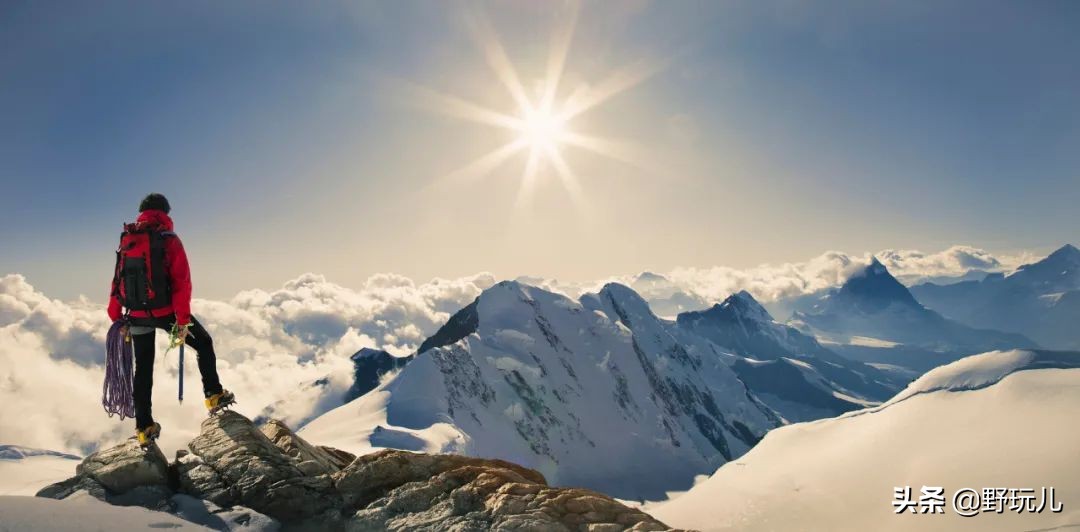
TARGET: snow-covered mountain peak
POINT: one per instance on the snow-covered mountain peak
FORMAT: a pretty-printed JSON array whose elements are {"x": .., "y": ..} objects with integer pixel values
[
  {"x": 1068, "y": 250},
  {"x": 876, "y": 267},
  {"x": 743, "y": 305},
  {"x": 873, "y": 289},
  {"x": 650, "y": 277},
  {"x": 368, "y": 353},
  {"x": 621, "y": 304},
  {"x": 581, "y": 390},
  {"x": 1058, "y": 271}
]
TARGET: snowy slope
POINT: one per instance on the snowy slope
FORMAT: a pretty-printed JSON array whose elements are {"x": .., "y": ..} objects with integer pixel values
[
  {"x": 564, "y": 387},
  {"x": 1000, "y": 419},
  {"x": 24, "y": 471},
  {"x": 299, "y": 406},
  {"x": 82, "y": 513}
]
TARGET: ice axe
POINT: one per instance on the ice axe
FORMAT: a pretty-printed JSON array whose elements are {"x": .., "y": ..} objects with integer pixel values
[
  {"x": 177, "y": 337},
  {"x": 181, "y": 393}
]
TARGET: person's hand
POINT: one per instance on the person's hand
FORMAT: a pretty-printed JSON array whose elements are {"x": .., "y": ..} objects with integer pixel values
[{"x": 179, "y": 334}]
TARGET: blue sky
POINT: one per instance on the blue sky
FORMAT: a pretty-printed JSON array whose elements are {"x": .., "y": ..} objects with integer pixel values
[{"x": 287, "y": 141}]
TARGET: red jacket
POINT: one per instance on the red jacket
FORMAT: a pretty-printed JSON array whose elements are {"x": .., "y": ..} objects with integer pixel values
[{"x": 179, "y": 275}]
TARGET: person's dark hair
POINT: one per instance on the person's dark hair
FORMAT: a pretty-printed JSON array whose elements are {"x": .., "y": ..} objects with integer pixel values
[{"x": 154, "y": 201}]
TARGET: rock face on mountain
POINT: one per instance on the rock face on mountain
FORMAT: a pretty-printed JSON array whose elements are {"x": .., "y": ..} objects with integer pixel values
[
  {"x": 741, "y": 324},
  {"x": 1040, "y": 300},
  {"x": 250, "y": 473},
  {"x": 788, "y": 370},
  {"x": 369, "y": 366}
]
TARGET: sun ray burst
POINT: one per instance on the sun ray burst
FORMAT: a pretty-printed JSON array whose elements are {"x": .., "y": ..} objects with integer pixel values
[{"x": 542, "y": 124}]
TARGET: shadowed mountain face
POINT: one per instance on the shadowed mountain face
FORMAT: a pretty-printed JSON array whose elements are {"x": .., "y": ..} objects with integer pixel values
[
  {"x": 789, "y": 370},
  {"x": 874, "y": 305},
  {"x": 369, "y": 367},
  {"x": 872, "y": 291},
  {"x": 742, "y": 325},
  {"x": 1040, "y": 300}
]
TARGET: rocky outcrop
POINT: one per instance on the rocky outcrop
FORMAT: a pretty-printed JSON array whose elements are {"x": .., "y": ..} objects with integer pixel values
[
  {"x": 456, "y": 493},
  {"x": 312, "y": 460},
  {"x": 234, "y": 467}
]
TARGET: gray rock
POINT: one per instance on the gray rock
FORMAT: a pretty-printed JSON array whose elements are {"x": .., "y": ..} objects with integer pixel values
[
  {"x": 115, "y": 471},
  {"x": 67, "y": 488},
  {"x": 257, "y": 473},
  {"x": 239, "y": 477},
  {"x": 312, "y": 460},
  {"x": 202, "y": 481},
  {"x": 340, "y": 458},
  {"x": 126, "y": 466},
  {"x": 372, "y": 476},
  {"x": 396, "y": 490}
]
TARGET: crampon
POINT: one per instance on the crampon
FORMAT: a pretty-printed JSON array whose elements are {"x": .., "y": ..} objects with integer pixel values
[
  {"x": 220, "y": 401},
  {"x": 147, "y": 435}
]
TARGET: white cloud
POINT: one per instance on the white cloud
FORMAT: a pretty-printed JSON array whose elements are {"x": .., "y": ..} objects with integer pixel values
[
  {"x": 271, "y": 342},
  {"x": 267, "y": 342},
  {"x": 952, "y": 262},
  {"x": 688, "y": 288}
]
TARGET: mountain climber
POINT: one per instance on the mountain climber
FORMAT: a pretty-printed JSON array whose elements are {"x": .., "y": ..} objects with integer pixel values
[{"x": 151, "y": 289}]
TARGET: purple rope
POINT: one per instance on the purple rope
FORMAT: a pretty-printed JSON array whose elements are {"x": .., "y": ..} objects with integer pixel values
[{"x": 116, "y": 392}]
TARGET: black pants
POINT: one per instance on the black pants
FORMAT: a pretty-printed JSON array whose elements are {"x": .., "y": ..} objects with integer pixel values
[{"x": 143, "y": 345}]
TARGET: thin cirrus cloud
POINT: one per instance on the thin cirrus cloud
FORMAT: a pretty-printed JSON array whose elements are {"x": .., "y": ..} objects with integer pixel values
[{"x": 51, "y": 352}]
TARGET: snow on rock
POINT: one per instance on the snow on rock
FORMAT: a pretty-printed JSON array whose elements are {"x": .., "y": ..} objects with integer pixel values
[
  {"x": 1002, "y": 419},
  {"x": 598, "y": 393}
]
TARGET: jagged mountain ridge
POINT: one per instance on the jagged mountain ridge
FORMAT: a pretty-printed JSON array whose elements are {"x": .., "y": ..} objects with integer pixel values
[
  {"x": 1040, "y": 300},
  {"x": 565, "y": 387},
  {"x": 790, "y": 371},
  {"x": 873, "y": 304}
]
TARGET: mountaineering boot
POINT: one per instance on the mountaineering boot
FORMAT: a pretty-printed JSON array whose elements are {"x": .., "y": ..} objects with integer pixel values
[
  {"x": 215, "y": 403},
  {"x": 146, "y": 435}
]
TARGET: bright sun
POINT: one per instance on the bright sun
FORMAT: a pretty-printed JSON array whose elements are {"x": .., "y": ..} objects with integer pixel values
[
  {"x": 541, "y": 124},
  {"x": 541, "y": 129}
]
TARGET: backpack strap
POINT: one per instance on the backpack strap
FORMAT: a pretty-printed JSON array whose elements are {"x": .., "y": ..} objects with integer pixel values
[{"x": 116, "y": 269}]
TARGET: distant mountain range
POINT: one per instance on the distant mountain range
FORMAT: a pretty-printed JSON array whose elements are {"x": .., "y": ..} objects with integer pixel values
[
  {"x": 580, "y": 389},
  {"x": 792, "y": 372},
  {"x": 603, "y": 393},
  {"x": 873, "y": 317},
  {"x": 1040, "y": 300}
]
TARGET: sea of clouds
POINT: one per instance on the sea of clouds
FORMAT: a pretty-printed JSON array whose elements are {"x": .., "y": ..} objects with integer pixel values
[{"x": 271, "y": 343}]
